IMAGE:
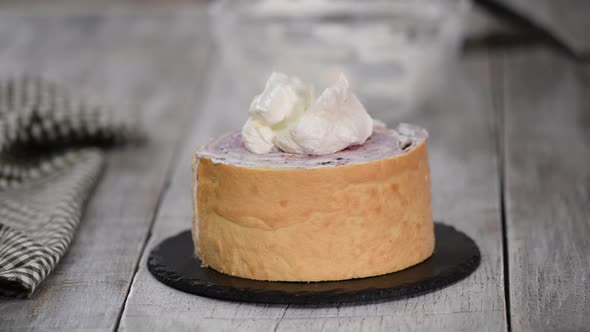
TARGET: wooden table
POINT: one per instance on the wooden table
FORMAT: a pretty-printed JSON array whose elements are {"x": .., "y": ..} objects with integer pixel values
[{"x": 510, "y": 155}]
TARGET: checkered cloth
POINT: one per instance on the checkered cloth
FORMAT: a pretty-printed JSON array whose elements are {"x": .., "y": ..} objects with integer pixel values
[{"x": 50, "y": 160}]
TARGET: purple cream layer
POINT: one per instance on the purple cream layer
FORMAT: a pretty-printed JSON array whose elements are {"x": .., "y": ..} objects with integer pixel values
[{"x": 383, "y": 143}]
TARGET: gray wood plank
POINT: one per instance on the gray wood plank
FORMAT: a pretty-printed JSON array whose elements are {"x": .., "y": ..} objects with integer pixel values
[
  {"x": 466, "y": 194},
  {"x": 546, "y": 105},
  {"x": 148, "y": 65}
]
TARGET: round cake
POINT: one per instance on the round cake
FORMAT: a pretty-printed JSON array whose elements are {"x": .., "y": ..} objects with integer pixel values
[{"x": 360, "y": 212}]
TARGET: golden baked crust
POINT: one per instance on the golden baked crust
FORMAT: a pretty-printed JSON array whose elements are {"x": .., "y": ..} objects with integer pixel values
[{"x": 330, "y": 223}]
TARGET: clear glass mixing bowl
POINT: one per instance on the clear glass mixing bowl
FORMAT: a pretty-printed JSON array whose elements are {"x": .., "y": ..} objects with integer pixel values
[{"x": 394, "y": 52}]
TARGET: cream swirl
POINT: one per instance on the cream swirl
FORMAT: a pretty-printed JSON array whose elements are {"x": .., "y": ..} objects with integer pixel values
[{"x": 287, "y": 117}]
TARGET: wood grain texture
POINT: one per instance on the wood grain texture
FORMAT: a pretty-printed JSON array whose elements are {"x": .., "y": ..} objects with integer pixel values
[
  {"x": 546, "y": 106},
  {"x": 149, "y": 65},
  {"x": 465, "y": 193}
]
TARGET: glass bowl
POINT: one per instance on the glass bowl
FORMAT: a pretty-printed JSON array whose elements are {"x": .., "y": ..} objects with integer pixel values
[{"x": 393, "y": 52}]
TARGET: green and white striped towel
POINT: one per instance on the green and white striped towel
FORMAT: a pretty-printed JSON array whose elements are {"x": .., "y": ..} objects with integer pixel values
[{"x": 50, "y": 159}]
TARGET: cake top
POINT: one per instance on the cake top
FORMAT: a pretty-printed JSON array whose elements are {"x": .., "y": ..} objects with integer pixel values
[{"x": 383, "y": 143}]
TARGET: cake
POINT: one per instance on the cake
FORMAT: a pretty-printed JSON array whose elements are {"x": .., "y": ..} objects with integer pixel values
[{"x": 359, "y": 212}]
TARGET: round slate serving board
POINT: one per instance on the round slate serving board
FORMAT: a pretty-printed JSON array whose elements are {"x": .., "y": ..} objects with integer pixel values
[{"x": 455, "y": 257}]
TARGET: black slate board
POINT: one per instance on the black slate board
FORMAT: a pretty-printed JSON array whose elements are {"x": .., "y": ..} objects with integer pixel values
[{"x": 455, "y": 257}]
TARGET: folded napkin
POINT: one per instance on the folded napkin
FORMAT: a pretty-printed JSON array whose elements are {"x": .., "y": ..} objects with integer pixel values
[{"x": 50, "y": 159}]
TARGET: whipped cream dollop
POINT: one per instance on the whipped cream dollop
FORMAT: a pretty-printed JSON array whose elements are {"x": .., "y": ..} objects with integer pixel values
[{"x": 286, "y": 116}]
